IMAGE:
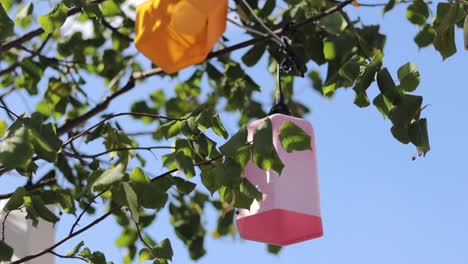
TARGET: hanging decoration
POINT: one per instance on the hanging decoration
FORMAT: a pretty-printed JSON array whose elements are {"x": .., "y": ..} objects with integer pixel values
[
  {"x": 26, "y": 238},
  {"x": 290, "y": 210},
  {"x": 175, "y": 34}
]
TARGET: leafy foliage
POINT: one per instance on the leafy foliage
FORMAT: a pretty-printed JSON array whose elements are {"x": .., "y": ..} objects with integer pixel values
[{"x": 63, "y": 72}]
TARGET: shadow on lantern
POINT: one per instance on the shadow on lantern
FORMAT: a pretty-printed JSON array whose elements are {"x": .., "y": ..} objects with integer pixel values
[
  {"x": 290, "y": 210},
  {"x": 175, "y": 34}
]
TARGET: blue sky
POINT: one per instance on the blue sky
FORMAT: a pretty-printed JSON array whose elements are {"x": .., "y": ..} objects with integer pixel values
[{"x": 378, "y": 205}]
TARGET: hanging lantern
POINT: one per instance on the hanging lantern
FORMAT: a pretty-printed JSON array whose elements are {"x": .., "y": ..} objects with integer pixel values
[
  {"x": 25, "y": 238},
  {"x": 175, "y": 34},
  {"x": 290, "y": 210}
]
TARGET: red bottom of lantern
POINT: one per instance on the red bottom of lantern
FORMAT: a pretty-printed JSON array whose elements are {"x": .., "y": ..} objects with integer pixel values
[{"x": 280, "y": 227}]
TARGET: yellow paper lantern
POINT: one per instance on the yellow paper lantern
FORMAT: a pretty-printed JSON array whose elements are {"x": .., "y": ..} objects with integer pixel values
[{"x": 175, "y": 34}]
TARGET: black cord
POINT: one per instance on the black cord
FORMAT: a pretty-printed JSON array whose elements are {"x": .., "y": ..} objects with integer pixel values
[{"x": 280, "y": 106}]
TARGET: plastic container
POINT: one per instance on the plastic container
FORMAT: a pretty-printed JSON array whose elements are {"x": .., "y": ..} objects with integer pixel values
[{"x": 290, "y": 210}]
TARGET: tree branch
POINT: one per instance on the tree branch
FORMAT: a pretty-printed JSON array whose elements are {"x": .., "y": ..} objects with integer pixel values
[
  {"x": 77, "y": 221},
  {"x": 139, "y": 232},
  {"x": 41, "y": 183}
]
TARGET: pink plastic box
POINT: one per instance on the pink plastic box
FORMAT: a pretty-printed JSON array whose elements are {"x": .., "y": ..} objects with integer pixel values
[{"x": 290, "y": 210}]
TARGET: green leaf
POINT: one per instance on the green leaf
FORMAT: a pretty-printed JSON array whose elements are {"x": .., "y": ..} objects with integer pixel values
[
  {"x": 75, "y": 249},
  {"x": 361, "y": 99},
  {"x": 3, "y": 127},
  {"x": 254, "y": 54},
  {"x": 389, "y": 6},
  {"x": 409, "y": 77},
  {"x": 263, "y": 153},
  {"x": 274, "y": 249},
  {"x": 7, "y": 4},
  {"x": 163, "y": 250},
  {"x": 109, "y": 177},
  {"x": 387, "y": 86},
  {"x": 110, "y": 9},
  {"x": 447, "y": 16},
  {"x": 42, "y": 210},
  {"x": 6, "y": 252},
  {"x": 237, "y": 141},
  {"x": 419, "y": 136},
  {"x": 425, "y": 37},
  {"x": 407, "y": 109},
  {"x": 8, "y": 25},
  {"x": 351, "y": 69},
  {"x": 368, "y": 75},
  {"x": 267, "y": 8},
  {"x": 293, "y": 138},
  {"x": 55, "y": 19},
  {"x": 152, "y": 195},
  {"x": 418, "y": 12},
  {"x": 24, "y": 15},
  {"x": 445, "y": 43},
  {"x": 145, "y": 254},
  {"x": 209, "y": 178},
  {"x": 401, "y": 134},
  {"x": 139, "y": 176},
  {"x": 383, "y": 104},
  {"x": 329, "y": 50},
  {"x": 170, "y": 129},
  {"x": 16, "y": 150},
  {"x": 132, "y": 201},
  {"x": 45, "y": 141},
  {"x": 218, "y": 127},
  {"x": 185, "y": 164},
  {"x": 16, "y": 200},
  {"x": 182, "y": 185},
  {"x": 334, "y": 23},
  {"x": 250, "y": 190}
]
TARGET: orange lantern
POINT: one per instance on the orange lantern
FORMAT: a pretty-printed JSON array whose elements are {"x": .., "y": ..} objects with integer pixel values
[{"x": 175, "y": 34}]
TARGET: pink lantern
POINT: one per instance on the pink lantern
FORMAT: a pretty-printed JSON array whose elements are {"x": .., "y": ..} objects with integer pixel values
[{"x": 290, "y": 210}]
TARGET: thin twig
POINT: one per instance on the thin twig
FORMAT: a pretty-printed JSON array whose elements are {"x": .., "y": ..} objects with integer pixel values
[
  {"x": 274, "y": 36},
  {"x": 11, "y": 89},
  {"x": 9, "y": 111},
  {"x": 139, "y": 231},
  {"x": 118, "y": 76},
  {"x": 93, "y": 156},
  {"x": 77, "y": 221},
  {"x": 67, "y": 257},
  {"x": 4, "y": 224},
  {"x": 249, "y": 29}
]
